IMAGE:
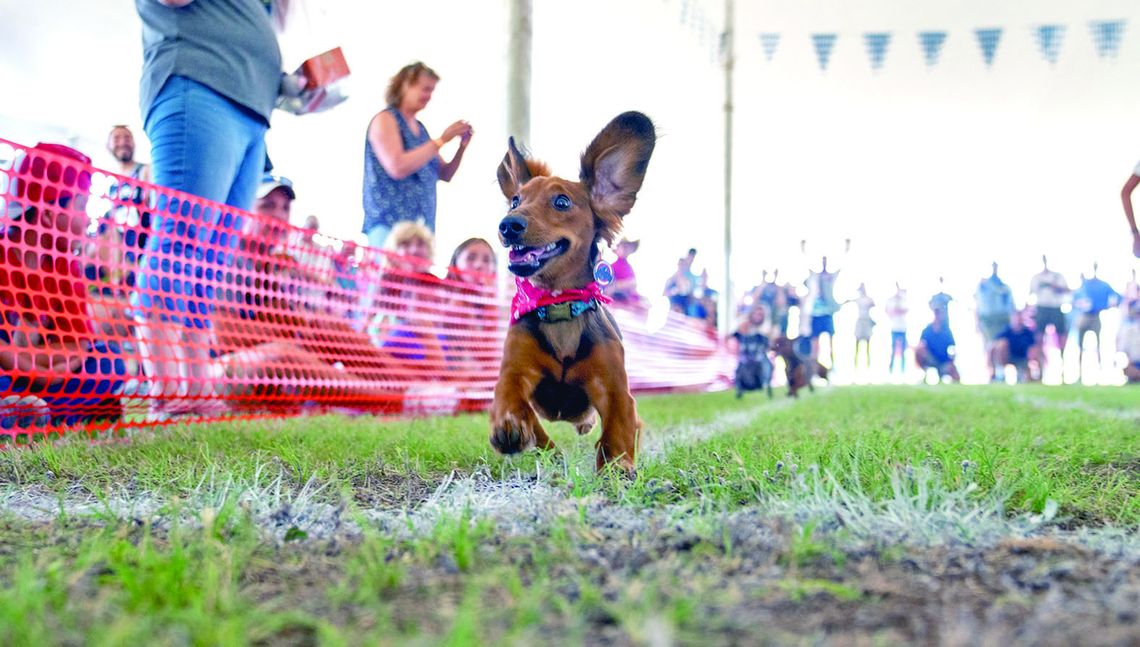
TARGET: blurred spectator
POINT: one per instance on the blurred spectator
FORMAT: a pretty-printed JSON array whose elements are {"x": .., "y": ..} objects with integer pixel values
[
  {"x": 689, "y": 258},
  {"x": 1019, "y": 346},
  {"x": 310, "y": 252},
  {"x": 778, "y": 299},
  {"x": 703, "y": 304},
  {"x": 473, "y": 263},
  {"x": 121, "y": 145},
  {"x": 941, "y": 300},
  {"x": 995, "y": 305},
  {"x": 274, "y": 198},
  {"x": 823, "y": 305},
  {"x": 1128, "y": 337},
  {"x": 935, "y": 349},
  {"x": 1090, "y": 299},
  {"x": 897, "y": 309},
  {"x": 276, "y": 345},
  {"x": 750, "y": 343},
  {"x": 401, "y": 161},
  {"x": 59, "y": 349},
  {"x": 864, "y": 324},
  {"x": 344, "y": 292},
  {"x": 1049, "y": 290},
  {"x": 624, "y": 288},
  {"x": 679, "y": 288},
  {"x": 410, "y": 298},
  {"x": 474, "y": 321},
  {"x": 1126, "y": 196}
]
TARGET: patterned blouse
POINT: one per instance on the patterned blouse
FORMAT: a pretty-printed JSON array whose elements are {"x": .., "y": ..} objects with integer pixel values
[{"x": 388, "y": 201}]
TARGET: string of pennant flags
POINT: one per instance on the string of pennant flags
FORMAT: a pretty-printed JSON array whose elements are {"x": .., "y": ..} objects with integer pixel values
[
  {"x": 1107, "y": 36},
  {"x": 705, "y": 21}
]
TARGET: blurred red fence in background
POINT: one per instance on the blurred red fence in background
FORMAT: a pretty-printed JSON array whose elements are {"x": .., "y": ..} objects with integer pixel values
[{"x": 126, "y": 304}]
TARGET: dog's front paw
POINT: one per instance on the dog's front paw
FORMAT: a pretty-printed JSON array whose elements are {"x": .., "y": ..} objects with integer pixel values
[{"x": 511, "y": 434}]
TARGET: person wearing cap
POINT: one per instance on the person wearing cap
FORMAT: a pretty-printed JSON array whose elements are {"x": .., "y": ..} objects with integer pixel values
[
  {"x": 624, "y": 288},
  {"x": 275, "y": 196},
  {"x": 289, "y": 322}
]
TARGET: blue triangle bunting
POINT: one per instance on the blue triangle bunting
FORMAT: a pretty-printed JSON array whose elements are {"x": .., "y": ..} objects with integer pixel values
[
  {"x": 877, "y": 44},
  {"x": 1049, "y": 39},
  {"x": 769, "y": 42},
  {"x": 1107, "y": 34},
  {"x": 931, "y": 42},
  {"x": 823, "y": 46},
  {"x": 988, "y": 41}
]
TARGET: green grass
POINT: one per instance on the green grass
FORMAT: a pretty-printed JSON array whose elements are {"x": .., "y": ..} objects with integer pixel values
[
  {"x": 332, "y": 448},
  {"x": 208, "y": 575},
  {"x": 986, "y": 435},
  {"x": 861, "y": 435}
]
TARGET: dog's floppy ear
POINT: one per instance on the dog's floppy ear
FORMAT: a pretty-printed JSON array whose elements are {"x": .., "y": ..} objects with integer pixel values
[
  {"x": 513, "y": 172},
  {"x": 614, "y": 164}
]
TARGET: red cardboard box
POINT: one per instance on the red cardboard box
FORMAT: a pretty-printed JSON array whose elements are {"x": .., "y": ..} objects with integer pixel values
[{"x": 323, "y": 69}]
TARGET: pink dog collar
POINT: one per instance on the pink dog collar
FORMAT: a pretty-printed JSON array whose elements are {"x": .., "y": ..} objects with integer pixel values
[{"x": 529, "y": 298}]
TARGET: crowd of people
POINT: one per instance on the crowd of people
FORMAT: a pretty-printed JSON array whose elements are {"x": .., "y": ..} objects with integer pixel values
[{"x": 1014, "y": 335}]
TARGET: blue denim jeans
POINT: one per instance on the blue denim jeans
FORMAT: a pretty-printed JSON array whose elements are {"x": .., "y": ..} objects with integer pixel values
[
  {"x": 207, "y": 146},
  {"x": 204, "y": 144}
]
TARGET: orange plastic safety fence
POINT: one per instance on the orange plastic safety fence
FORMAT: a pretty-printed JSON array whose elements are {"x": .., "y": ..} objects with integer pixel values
[{"x": 128, "y": 304}]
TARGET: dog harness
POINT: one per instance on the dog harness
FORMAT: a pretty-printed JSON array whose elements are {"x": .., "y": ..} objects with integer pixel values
[{"x": 554, "y": 305}]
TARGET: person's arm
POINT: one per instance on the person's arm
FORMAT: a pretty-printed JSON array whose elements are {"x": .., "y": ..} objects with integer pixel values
[
  {"x": 1126, "y": 197},
  {"x": 384, "y": 135},
  {"x": 447, "y": 171}
]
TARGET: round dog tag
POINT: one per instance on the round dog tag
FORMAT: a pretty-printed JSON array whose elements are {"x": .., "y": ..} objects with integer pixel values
[{"x": 603, "y": 273}]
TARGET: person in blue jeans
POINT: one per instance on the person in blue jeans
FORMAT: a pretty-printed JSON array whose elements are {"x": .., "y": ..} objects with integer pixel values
[
  {"x": 1089, "y": 300},
  {"x": 210, "y": 79}
]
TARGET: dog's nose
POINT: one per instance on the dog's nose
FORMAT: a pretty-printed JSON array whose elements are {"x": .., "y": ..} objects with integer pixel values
[{"x": 512, "y": 227}]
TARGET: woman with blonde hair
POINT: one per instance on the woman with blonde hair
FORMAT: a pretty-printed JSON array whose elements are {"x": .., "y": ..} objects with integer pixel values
[
  {"x": 402, "y": 161},
  {"x": 409, "y": 299}
]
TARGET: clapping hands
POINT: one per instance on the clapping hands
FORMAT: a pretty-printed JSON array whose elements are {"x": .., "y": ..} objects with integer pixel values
[{"x": 460, "y": 129}]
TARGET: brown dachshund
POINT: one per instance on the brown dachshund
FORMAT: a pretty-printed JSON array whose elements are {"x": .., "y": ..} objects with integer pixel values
[
  {"x": 563, "y": 357},
  {"x": 796, "y": 367}
]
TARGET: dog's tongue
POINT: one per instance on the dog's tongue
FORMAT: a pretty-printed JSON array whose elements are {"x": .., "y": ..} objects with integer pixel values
[{"x": 525, "y": 255}]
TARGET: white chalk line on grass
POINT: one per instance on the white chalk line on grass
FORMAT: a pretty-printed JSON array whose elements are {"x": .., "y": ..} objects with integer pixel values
[
  {"x": 527, "y": 504},
  {"x": 1076, "y": 405},
  {"x": 511, "y": 501}
]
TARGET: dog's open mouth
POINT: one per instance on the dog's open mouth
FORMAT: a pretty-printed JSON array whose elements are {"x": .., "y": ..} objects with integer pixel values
[{"x": 524, "y": 261}]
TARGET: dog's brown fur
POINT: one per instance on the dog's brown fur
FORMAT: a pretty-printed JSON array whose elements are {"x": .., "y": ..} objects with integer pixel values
[
  {"x": 796, "y": 368},
  {"x": 571, "y": 370}
]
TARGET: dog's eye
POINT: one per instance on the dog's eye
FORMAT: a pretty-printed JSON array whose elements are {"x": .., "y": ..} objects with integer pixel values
[
  {"x": 561, "y": 202},
  {"x": 515, "y": 202}
]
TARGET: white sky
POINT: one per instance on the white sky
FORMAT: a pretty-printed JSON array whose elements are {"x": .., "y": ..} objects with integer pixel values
[{"x": 929, "y": 171}]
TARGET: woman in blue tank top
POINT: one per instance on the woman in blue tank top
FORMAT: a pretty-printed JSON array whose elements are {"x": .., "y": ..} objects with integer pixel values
[{"x": 401, "y": 161}]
